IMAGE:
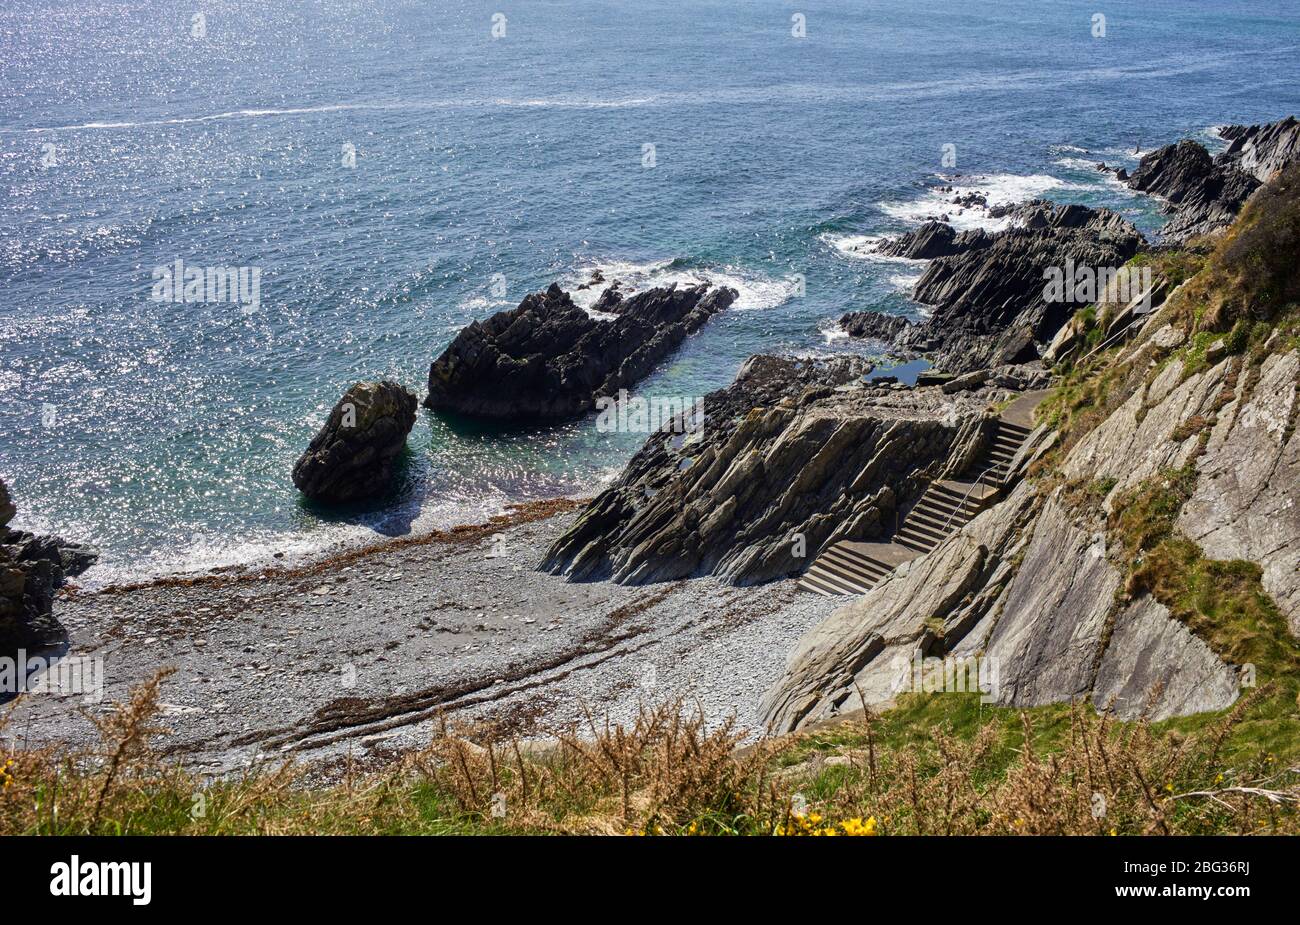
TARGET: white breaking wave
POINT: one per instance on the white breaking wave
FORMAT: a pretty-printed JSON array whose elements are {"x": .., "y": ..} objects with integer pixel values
[
  {"x": 863, "y": 247},
  {"x": 905, "y": 281},
  {"x": 997, "y": 189},
  {"x": 753, "y": 291}
]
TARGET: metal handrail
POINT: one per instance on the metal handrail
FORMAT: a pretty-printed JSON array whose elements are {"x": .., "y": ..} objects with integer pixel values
[{"x": 979, "y": 480}]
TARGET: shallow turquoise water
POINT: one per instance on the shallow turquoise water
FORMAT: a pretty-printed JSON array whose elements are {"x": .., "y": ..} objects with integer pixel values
[{"x": 165, "y": 432}]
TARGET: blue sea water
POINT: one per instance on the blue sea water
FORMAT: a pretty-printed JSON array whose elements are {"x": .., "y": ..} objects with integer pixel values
[{"x": 164, "y": 433}]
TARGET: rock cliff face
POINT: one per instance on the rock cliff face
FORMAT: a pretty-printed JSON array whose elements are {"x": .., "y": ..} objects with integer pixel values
[
  {"x": 1263, "y": 150},
  {"x": 352, "y": 457},
  {"x": 1036, "y": 586},
  {"x": 1246, "y": 504},
  {"x": 32, "y": 568},
  {"x": 793, "y": 456},
  {"x": 550, "y": 360}
]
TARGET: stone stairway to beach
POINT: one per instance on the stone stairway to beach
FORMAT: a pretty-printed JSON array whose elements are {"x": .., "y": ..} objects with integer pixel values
[{"x": 850, "y": 567}]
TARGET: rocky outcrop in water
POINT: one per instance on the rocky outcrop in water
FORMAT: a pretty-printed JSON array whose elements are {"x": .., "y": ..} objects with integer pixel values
[
  {"x": 935, "y": 239},
  {"x": 988, "y": 297},
  {"x": 1205, "y": 193},
  {"x": 793, "y": 456},
  {"x": 874, "y": 324},
  {"x": 352, "y": 457},
  {"x": 550, "y": 360},
  {"x": 32, "y": 569}
]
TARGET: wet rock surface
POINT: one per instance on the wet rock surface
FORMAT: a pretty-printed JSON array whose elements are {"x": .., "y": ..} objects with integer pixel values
[
  {"x": 353, "y": 456},
  {"x": 548, "y": 359},
  {"x": 874, "y": 324}
]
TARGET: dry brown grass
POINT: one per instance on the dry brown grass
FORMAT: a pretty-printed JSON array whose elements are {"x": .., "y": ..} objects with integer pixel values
[{"x": 668, "y": 772}]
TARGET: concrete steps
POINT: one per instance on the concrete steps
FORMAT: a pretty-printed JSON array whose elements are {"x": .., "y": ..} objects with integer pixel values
[{"x": 947, "y": 505}]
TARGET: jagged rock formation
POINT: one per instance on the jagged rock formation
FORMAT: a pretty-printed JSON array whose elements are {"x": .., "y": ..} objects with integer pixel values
[
  {"x": 935, "y": 239},
  {"x": 1263, "y": 150},
  {"x": 550, "y": 360},
  {"x": 988, "y": 300},
  {"x": 352, "y": 457},
  {"x": 1036, "y": 585},
  {"x": 793, "y": 456},
  {"x": 1033, "y": 585},
  {"x": 1205, "y": 193},
  {"x": 987, "y": 289},
  {"x": 32, "y": 568}
]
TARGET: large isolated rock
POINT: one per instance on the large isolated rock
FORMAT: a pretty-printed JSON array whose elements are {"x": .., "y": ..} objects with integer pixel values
[
  {"x": 7, "y": 508},
  {"x": 989, "y": 308},
  {"x": 352, "y": 457},
  {"x": 794, "y": 455},
  {"x": 1246, "y": 504},
  {"x": 550, "y": 360}
]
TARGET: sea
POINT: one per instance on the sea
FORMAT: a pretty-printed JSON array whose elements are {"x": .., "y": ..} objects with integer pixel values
[{"x": 387, "y": 171}]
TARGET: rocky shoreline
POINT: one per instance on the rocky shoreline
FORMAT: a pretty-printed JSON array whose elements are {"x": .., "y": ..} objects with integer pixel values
[{"x": 641, "y": 593}]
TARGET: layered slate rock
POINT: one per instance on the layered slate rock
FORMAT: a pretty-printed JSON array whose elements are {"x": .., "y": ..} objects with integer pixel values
[
  {"x": 873, "y": 324},
  {"x": 549, "y": 360},
  {"x": 1046, "y": 640},
  {"x": 1263, "y": 150},
  {"x": 1204, "y": 193},
  {"x": 935, "y": 239},
  {"x": 864, "y": 649},
  {"x": 989, "y": 308},
  {"x": 32, "y": 569},
  {"x": 353, "y": 456},
  {"x": 987, "y": 290},
  {"x": 793, "y": 456},
  {"x": 1029, "y": 592},
  {"x": 1155, "y": 667},
  {"x": 1246, "y": 504}
]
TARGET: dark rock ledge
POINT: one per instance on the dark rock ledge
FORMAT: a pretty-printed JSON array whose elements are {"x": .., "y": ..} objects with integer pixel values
[
  {"x": 549, "y": 360},
  {"x": 32, "y": 569}
]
